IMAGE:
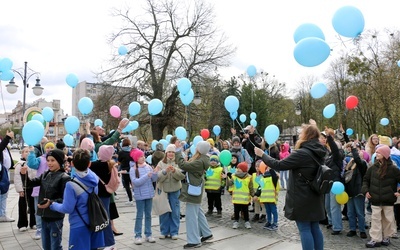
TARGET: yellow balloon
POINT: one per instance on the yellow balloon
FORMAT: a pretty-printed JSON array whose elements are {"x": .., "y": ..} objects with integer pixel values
[{"x": 342, "y": 198}]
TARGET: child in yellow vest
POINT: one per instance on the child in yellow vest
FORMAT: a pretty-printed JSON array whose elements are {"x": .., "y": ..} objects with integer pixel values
[
  {"x": 267, "y": 193},
  {"x": 259, "y": 208},
  {"x": 231, "y": 169},
  {"x": 241, "y": 193},
  {"x": 215, "y": 183}
]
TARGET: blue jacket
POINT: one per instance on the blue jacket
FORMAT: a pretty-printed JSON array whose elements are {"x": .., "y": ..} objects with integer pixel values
[{"x": 143, "y": 184}]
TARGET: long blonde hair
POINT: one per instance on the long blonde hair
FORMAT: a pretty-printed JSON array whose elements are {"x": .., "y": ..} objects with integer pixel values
[
  {"x": 308, "y": 132},
  {"x": 195, "y": 156}
]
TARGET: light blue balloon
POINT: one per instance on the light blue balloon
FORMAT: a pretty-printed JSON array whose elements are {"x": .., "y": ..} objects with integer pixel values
[
  {"x": 71, "y": 124},
  {"x": 308, "y": 30},
  {"x": 48, "y": 114},
  {"x": 231, "y": 103},
  {"x": 217, "y": 130},
  {"x": 373, "y": 158},
  {"x": 68, "y": 140},
  {"x": 128, "y": 128},
  {"x": 6, "y": 75},
  {"x": 168, "y": 137},
  {"x": 184, "y": 86},
  {"x": 122, "y": 50},
  {"x": 271, "y": 134},
  {"x": 329, "y": 111},
  {"x": 234, "y": 115},
  {"x": 253, "y": 115},
  {"x": 135, "y": 125},
  {"x": 72, "y": 80},
  {"x": 32, "y": 132},
  {"x": 188, "y": 98},
  {"x": 318, "y": 90},
  {"x": 98, "y": 122},
  {"x": 337, "y": 187},
  {"x": 155, "y": 106},
  {"x": 154, "y": 145},
  {"x": 134, "y": 108},
  {"x": 38, "y": 117},
  {"x": 384, "y": 121},
  {"x": 242, "y": 118},
  {"x": 251, "y": 70},
  {"x": 348, "y": 21},
  {"x": 85, "y": 105},
  {"x": 349, "y": 131},
  {"x": 253, "y": 123},
  {"x": 181, "y": 133},
  {"x": 149, "y": 159},
  {"x": 164, "y": 142},
  {"x": 398, "y": 63},
  {"x": 5, "y": 64},
  {"x": 311, "y": 51},
  {"x": 197, "y": 139},
  {"x": 193, "y": 149}
]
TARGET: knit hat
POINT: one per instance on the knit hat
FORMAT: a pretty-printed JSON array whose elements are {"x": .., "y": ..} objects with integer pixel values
[
  {"x": 235, "y": 139},
  {"x": 159, "y": 146},
  {"x": 170, "y": 148},
  {"x": 214, "y": 158},
  {"x": 60, "y": 144},
  {"x": 211, "y": 141},
  {"x": 203, "y": 147},
  {"x": 49, "y": 144},
  {"x": 87, "y": 144},
  {"x": 385, "y": 140},
  {"x": 384, "y": 150},
  {"x": 106, "y": 152},
  {"x": 136, "y": 154},
  {"x": 236, "y": 156},
  {"x": 58, "y": 155},
  {"x": 243, "y": 166}
]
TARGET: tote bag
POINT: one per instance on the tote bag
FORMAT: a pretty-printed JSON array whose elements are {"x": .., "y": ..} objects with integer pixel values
[{"x": 160, "y": 202}]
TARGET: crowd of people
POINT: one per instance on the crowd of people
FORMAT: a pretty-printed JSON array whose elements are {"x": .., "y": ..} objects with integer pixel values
[{"x": 253, "y": 177}]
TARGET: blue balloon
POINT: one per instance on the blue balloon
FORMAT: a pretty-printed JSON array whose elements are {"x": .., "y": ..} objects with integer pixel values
[
  {"x": 85, "y": 105},
  {"x": 154, "y": 145},
  {"x": 312, "y": 51},
  {"x": 128, "y": 128},
  {"x": 242, "y": 118},
  {"x": 251, "y": 70},
  {"x": 164, "y": 142},
  {"x": 5, "y": 64},
  {"x": 122, "y": 50},
  {"x": 384, "y": 121},
  {"x": 135, "y": 125},
  {"x": 373, "y": 156},
  {"x": 233, "y": 115},
  {"x": 348, "y": 21},
  {"x": 193, "y": 149},
  {"x": 231, "y": 103},
  {"x": 149, "y": 159},
  {"x": 134, "y": 108},
  {"x": 329, "y": 111},
  {"x": 6, "y": 75},
  {"x": 71, "y": 124},
  {"x": 181, "y": 133},
  {"x": 38, "y": 117},
  {"x": 48, "y": 114},
  {"x": 349, "y": 131},
  {"x": 318, "y": 90},
  {"x": 72, "y": 80},
  {"x": 68, "y": 140},
  {"x": 306, "y": 30},
  {"x": 184, "y": 86},
  {"x": 32, "y": 132},
  {"x": 398, "y": 63},
  {"x": 188, "y": 98},
  {"x": 271, "y": 134},
  {"x": 98, "y": 122},
  {"x": 253, "y": 115},
  {"x": 197, "y": 139},
  {"x": 217, "y": 130},
  {"x": 155, "y": 106},
  {"x": 168, "y": 137},
  {"x": 337, "y": 187},
  {"x": 253, "y": 123}
]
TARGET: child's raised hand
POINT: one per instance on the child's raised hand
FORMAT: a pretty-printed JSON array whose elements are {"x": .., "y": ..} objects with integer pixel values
[{"x": 223, "y": 175}]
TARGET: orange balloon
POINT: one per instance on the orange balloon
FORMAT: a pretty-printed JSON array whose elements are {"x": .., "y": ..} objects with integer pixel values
[{"x": 262, "y": 167}]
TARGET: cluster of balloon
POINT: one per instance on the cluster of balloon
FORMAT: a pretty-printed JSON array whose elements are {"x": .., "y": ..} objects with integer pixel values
[
  {"x": 186, "y": 92},
  {"x": 85, "y": 105},
  {"x": 32, "y": 132},
  {"x": 341, "y": 196},
  {"x": 155, "y": 106},
  {"x": 318, "y": 90},
  {"x": 348, "y": 21},
  {"x": 232, "y": 105},
  {"x": 47, "y": 114},
  {"x": 384, "y": 121},
  {"x": 205, "y": 133},
  {"x": 271, "y": 134},
  {"x": 134, "y": 108},
  {"x": 329, "y": 111},
  {"x": 72, "y": 80},
  {"x": 253, "y": 121},
  {"x": 181, "y": 133},
  {"x": 6, "y": 73},
  {"x": 351, "y": 102},
  {"x": 217, "y": 130},
  {"x": 122, "y": 50},
  {"x": 251, "y": 71}
]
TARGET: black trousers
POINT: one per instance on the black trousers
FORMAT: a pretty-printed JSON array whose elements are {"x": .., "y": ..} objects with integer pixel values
[
  {"x": 126, "y": 182},
  {"x": 214, "y": 199},
  {"x": 23, "y": 204},
  {"x": 244, "y": 208}
]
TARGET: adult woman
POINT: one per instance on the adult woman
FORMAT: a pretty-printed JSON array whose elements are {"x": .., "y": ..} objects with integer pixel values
[
  {"x": 197, "y": 229},
  {"x": 113, "y": 139},
  {"x": 372, "y": 142},
  {"x": 169, "y": 180},
  {"x": 303, "y": 205}
]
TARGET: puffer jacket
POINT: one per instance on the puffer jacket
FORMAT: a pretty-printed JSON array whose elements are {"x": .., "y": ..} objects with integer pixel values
[
  {"x": 381, "y": 190},
  {"x": 353, "y": 187},
  {"x": 301, "y": 203},
  {"x": 143, "y": 184}
]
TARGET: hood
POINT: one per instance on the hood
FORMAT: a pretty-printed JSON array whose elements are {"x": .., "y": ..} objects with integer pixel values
[
  {"x": 90, "y": 180},
  {"x": 285, "y": 148},
  {"x": 316, "y": 147}
]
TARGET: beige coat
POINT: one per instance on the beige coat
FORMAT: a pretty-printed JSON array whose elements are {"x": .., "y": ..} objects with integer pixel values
[
  {"x": 168, "y": 181},
  {"x": 17, "y": 177}
]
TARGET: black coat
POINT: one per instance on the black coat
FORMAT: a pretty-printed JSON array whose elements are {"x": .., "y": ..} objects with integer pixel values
[
  {"x": 335, "y": 158},
  {"x": 301, "y": 204},
  {"x": 353, "y": 187}
]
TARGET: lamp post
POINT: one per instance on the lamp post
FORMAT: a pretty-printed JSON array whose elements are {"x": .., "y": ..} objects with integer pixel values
[{"x": 25, "y": 76}]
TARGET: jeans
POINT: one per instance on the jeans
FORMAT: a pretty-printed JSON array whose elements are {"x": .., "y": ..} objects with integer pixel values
[
  {"x": 310, "y": 235},
  {"x": 37, "y": 217},
  {"x": 169, "y": 222},
  {"x": 143, "y": 207},
  {"x": 52, "y": 234},
  {"x": 3, "y": 204},
  {"x": 196, "y": 223},
  {"x": 271, "y": 211},
  {"x": 333, "y": 212},
  {"x": 355, "y": 213},
  {"x": 107, "y": 232},
  {"x": 284, "y": 176}
]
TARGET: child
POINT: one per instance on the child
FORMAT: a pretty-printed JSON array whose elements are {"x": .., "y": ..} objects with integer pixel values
[
  {"x": 142, "y": 177},
  {"x": 215, "y": 182},
  {"x": 52, "y": 184},
  {"x": 231, "y": 169},
  {"x": 256, "y": 177},
  {"x": 267, "y": 193},
  {"x": 241, "y": 193},
  {"x": 75, "y": 198}
]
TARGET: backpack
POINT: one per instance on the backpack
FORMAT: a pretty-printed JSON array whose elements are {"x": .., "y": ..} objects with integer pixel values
[
  {"x": 114, "y": 182},
  {"x": 349, "y": 170},
  {"x": 244, "y": 155},
  {"x": 323, "y": 180},
  {"x": 4, "y": 180},
  {"x": 98, "y": 217}
]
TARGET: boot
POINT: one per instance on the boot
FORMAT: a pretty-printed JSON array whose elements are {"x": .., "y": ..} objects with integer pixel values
[
  {"x": 255, "y": 218},
  {"x": 262, "y": 219},
  {"x": 209, "y": 212}
]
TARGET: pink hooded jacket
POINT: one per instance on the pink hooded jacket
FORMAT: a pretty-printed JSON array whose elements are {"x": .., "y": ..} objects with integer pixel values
[{"x": 284, "y": 151}]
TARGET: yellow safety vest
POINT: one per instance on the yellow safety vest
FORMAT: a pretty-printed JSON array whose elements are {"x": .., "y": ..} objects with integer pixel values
[
  {"x": 230, "y": 188},
  {"x": 241, "y": 195},
  {"x": 268, "y": 192},
  {"x": 214, "y": 181},
  {"x": 255, "y": 183}
]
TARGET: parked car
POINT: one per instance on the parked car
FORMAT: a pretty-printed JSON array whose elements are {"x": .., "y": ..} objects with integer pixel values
[{"x": 14, "y": 146}]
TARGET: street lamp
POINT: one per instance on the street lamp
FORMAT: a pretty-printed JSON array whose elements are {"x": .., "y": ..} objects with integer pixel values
[
  {"x": 298, "y": 109},
  {"x": 197, "y": 98}
]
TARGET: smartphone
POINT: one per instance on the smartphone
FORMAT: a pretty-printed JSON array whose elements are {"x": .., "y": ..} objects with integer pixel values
[{"x": 43, "y": 202}]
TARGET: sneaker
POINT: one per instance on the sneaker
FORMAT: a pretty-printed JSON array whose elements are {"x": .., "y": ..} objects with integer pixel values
[
  {"x": 129, "y": 203},
  {"x": 351, "y": 233},
  {"x": 38, "y": 234},
  {"x": 247, "y": 225},
  {"x": 23, "y": 229},
  {"x": 273, "y": 227},
  {"x": 262, "y": 219},
  {"x": 385, "y": 242},
  {"x": 394, "y": 236},
  {"x": 235, "y": 225},
  {"x": 110, "y": 248},
  {"x": 335, "y": 232},
  {"x": 150, "y": 239},
  {"x": 372, "y": 244},
  {"x": 190, "y": 245},
  {"x": 329, "y": 226},
  {"x": 206, "y": 238},
  {"x": 138, "y": 241},
  {"x": 6, "y": 219},
  {"x": 267, "y": 225},
  {"x": 174, "y": 237},
  {"x": 363, "y": 235}
]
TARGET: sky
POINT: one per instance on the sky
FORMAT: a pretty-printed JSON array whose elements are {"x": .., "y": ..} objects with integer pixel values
[{"x": 57, "y": 38}]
